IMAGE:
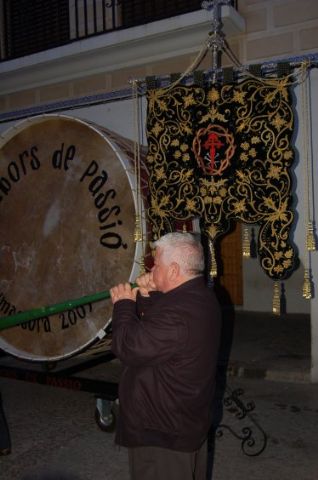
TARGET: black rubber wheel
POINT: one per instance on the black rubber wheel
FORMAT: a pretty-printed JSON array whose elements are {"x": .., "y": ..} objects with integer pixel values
[{"x": 107, "y": 424}]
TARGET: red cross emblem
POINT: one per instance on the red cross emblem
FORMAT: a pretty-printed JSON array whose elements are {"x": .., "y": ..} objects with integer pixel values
[
  {"x": 213, "y": 143},
  {"x": 213, "y": 148}
]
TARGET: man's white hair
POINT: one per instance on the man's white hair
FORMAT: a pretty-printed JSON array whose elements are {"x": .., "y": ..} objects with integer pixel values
[{"x": 185, "y": 249}]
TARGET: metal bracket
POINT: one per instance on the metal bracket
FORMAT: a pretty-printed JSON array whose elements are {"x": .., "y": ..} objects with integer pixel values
[{"x": 216, "y": 40}]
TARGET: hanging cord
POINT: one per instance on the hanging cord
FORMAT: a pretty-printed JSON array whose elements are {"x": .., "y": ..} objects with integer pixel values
[
  {"x": 307, "y": 174},
  {"x": 138, "y": 233},
  {"x": 307, "y": 148},
  {"x": 196, "y": 62}
]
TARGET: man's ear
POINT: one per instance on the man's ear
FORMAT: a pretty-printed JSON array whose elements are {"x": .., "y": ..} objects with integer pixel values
[{"x": 174, "y": 270}]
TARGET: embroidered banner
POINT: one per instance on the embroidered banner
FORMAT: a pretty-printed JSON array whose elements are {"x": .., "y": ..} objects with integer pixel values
[{"x": 223, "y": 153}]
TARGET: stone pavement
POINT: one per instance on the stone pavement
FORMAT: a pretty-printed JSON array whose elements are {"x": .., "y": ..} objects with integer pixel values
[
  {"x": 54, "y": 434},
  {"x": 269, "y": 424}
]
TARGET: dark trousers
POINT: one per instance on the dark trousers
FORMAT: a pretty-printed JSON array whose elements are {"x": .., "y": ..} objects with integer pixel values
[
  {"x": 4, "y": 431},
  {"x": 155, "y": 463}
]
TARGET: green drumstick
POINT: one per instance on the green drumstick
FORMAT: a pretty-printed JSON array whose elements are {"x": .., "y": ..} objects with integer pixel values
[{"x": 23, "y": 317}]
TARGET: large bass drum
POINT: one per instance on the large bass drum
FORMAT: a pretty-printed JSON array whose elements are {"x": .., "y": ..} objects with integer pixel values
[{"x": 67, "y": 220}]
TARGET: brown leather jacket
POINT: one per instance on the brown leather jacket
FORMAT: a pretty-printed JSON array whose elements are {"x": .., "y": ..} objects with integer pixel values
[{"x": 168, "y": 344}]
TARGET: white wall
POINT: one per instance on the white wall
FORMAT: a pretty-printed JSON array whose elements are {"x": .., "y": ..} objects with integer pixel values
[
  {"x": 117, "y": 116},
  {"x": 258, "y": 289}
]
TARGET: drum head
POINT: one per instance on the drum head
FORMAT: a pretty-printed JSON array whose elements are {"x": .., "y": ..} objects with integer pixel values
[{"x": 67, "y": 217}]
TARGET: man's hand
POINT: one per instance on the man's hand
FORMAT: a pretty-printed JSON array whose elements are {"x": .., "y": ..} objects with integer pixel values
[
  {"x": 123, "y": 291},
  {"x": 146, "y": 284}
]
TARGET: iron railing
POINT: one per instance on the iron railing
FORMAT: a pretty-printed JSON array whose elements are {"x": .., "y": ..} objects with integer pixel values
[{"x": 30, "y": 26}]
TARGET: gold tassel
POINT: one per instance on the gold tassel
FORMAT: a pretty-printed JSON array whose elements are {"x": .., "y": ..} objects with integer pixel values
[
  {"x": 276, "y": 299},
  {"x": 138, "y": 232},
  {"x": 214, "y": 268},
  {"x": 142, "y": 268},
  {"x": 307, "y": 285},
  {"x": 310, "y": 239},
  {"x": 246, "y": 243},
  {"x": 184, "y": 228}
]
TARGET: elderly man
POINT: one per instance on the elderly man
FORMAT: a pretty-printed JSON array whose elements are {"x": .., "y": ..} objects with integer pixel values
[{"x": 167, "y": 337}]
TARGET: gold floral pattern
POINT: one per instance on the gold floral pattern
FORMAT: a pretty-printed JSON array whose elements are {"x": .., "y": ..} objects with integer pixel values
[{"x": 255, "y": 186}]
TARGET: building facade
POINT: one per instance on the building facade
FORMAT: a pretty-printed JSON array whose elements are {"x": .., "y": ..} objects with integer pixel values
[{"x": 84, "y": 68}]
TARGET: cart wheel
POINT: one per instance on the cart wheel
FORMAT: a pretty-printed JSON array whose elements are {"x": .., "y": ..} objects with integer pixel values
[{"x": 105, "y": 423}]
